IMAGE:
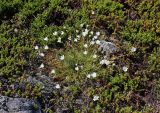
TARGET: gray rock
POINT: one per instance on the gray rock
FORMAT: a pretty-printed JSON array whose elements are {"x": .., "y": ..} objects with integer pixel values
[
  {"x": 18, "y": 105},
  {"x": 48, "y": 85},
  {"x": 107, "y": 47}
]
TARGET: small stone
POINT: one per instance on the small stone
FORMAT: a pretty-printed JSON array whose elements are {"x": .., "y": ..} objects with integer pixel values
[{"x": 107, "y": 48}]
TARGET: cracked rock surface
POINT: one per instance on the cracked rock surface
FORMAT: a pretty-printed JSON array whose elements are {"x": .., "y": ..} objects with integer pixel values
[
  {"x": 107, "y": 48},
  {"x": 18, "y": 105}
]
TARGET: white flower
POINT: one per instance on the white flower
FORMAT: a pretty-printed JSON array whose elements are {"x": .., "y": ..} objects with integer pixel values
[
  {"x": 41, "y": 54},
  {"x": 125, "y": 69},
  {"x": 91, "y": 32},
  {"x": 85, "y": 52},
  {"x": 76, "y": 68},
  {"x": 95, "y": 98},
  {"x": 64, "y": 27},
  {"x": 85, "y": 45},
  {"x": 75, "y": 40},
  {"x": 57, "y": 86},
  {"x": 81, "y": 25},
  {"x": 81, "y": 67},
  {"x": 105, "y": 56},
  {"x": 62, "y": 32},
  {"x": 46, "y": 47},
  {"x": 53, "y": 71},
  {"x": 77, "y": 31},
  {"x": 16, "y": 30},
  {"x": 36, "y": 47},
  {"x": 92, "y": 43},
  {"x": 69, "y": 38},
  {"x": 41, "y": 66},
  {"x": 46, "y": 39},
  {"x": 84, "y": 34},
  {"x": 97, "y": 33},
  {"x": 104, "y": 61},
  {"x": 61, "y": 57},
  {"x": 94, "y": 74},
  {"x": 59, "y": 40},
  {"x": 107, "y": 62},
  {"x": 78, "y": 36},
  {"x": 89, "y": 76},
  {"x": 93, "y": 12},
  {"x": 94, "y": 56},
  {"x": 98, "y": 42},
  {"x": 95, "y": 37},
  {"x": 87, "y": 25},
  {"x": 133, "y": 49},
  {"x": 55, "y": 33}
]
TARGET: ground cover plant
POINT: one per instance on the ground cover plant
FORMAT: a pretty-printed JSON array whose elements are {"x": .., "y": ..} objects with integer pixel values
[{"x": 65, "y": 41}]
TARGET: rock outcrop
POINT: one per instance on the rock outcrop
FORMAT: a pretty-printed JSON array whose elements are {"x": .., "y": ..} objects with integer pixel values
[
  {"x": 18, "y": 105},
  {"x": 107, "y": 48}
]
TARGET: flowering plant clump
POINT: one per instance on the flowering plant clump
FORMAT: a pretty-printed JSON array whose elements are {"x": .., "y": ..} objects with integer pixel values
[{"x": 89, "y": 62}]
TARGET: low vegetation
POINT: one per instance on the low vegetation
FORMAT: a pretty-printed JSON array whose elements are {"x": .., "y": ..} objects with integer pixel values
[{"x": 61, "y": 39}]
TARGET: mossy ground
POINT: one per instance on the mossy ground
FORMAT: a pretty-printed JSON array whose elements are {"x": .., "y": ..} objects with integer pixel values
[{"x": 126, "y": 23}]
